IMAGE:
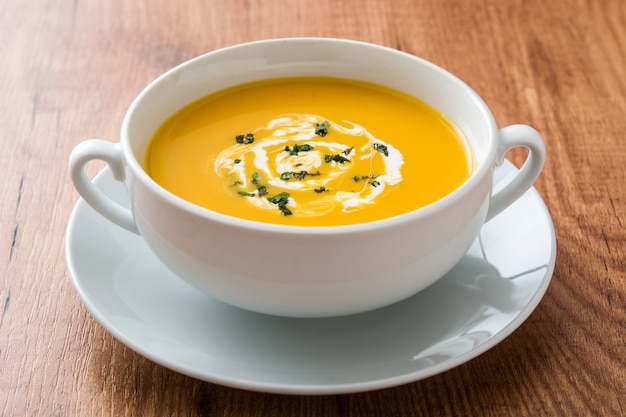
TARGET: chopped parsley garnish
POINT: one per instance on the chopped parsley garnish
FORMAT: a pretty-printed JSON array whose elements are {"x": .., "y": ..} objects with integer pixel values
[
  {"x": 321, "y": 129},
  {"x": 279, "y": 198},
  {"x": 298, "y": 148},
  {"x": 246, "y": 194},
  {"x": 245, "y": 139},
  {"x": 237, "y": 161},
  {"x": 347, "y": 152},
  {"x": 367, "y": 177},
  {"x": 381, "y": 148},
  {"x": 299, "y": 175},
  {"x": 283, "y": 209},
  {"x": 281, "y": 201},
  {"x": 337, "y": 158},
  {"x": 262, "y": 190},
  {"x": 320, "y": 190},
  {"x": 364, "y": 177}
]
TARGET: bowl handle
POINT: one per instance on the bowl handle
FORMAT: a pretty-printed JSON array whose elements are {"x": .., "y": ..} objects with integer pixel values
[
  {"x": 511, "y": 137},
  {"x": 111, "y": 153}
]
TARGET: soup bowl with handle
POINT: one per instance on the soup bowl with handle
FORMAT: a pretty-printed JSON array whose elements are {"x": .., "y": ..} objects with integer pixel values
[{"x": 307, "y": 271}]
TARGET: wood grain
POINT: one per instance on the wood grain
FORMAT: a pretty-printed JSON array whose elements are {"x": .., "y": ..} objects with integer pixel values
[{"x": 69, "y": 70}]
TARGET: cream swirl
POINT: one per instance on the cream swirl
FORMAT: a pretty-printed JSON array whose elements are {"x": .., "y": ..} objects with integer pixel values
[{"x": 294, "y": 155}]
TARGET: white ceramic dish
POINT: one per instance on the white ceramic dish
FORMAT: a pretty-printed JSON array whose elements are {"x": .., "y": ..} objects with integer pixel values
[
  {"x": 300, "y": 271},
  {"x": 480, "y": 302}
]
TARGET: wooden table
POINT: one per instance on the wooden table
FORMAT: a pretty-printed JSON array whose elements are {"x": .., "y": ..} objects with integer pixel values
[{"x": 69, "y": 70}]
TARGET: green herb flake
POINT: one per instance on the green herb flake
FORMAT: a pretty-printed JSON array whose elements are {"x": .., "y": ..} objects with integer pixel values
[
  {"x": 283, "y": 209},
  {"x": 279, "y": 198},
  {"x": 299, "y": 175},
  {"x": 381, "y": 148},
  {"x": 256, "y": 177},
  {"x": 356, "y": 178},
  {"x": 246, "y": 194},
  {"x": 374, "y": 183},
  {"x": 298, "y": 148},
  {"x": 281, "y": 201},
  {"x": 320, "y": 190},
  {"x": 237, "y": 161},
  {"x": 246, "y": 139},
  {"x": 348, "y": 151},
  {"x": 337, "y": 158},
  {"x": 262, "y": 190},
  {"x": 321, "y": 129}
]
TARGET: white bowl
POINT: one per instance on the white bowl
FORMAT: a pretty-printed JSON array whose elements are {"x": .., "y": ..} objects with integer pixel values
[{"x": 296, "y": 270}]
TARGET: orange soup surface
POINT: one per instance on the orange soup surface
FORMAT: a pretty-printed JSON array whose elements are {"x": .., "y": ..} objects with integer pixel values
[{"x": 309, "y": 151}]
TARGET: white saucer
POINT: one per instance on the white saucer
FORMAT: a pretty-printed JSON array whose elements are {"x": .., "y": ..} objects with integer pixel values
[{"x": 479, "y": 303}]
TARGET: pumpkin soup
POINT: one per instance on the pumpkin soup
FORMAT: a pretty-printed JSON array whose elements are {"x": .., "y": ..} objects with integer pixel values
[{"x": 309, "y": 151}]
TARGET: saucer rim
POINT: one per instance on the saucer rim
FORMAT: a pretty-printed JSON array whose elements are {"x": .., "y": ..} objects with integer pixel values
[{"x": 313, "y": 389}]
